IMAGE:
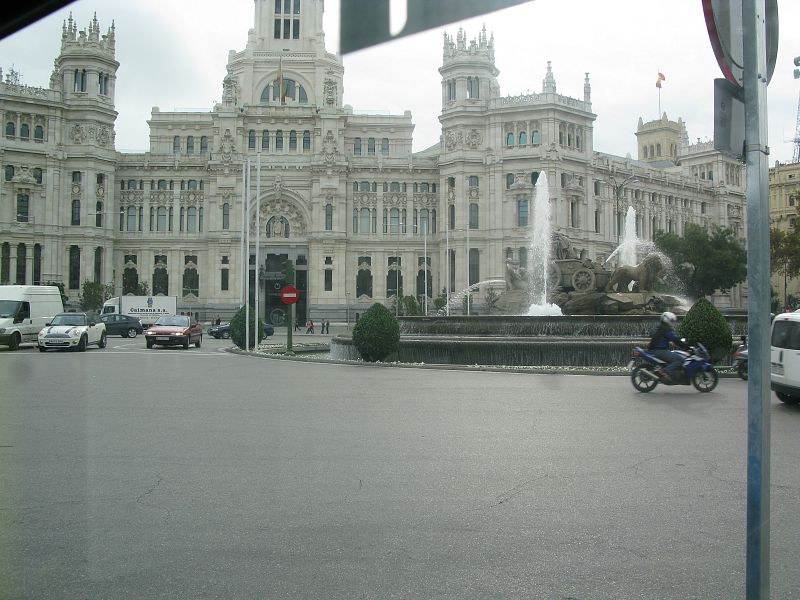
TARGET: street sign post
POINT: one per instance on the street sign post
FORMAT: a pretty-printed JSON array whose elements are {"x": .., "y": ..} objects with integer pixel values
[{"x": 289, "y": 295}]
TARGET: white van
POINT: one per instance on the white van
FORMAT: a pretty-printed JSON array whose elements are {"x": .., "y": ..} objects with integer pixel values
[
  {"x": 25, "y": 310},
  {"x": 785, "y": 357}
]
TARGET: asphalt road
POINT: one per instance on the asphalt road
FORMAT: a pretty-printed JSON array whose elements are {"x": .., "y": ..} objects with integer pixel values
[{"x": 134, "y": 473}]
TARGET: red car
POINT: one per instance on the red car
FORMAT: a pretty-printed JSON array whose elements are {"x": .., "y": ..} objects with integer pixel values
[{"x": 174, "y": 330}]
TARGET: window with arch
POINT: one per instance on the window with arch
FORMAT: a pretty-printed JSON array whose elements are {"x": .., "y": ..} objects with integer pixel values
[
  {"x": 523, "y": 138},
  {"x": 251, "y": 139},
  {"x": 37, "y": 264},
  {"x": 24, "y": 131},
  {"x": 279, "y": 139},
  {"x": 265, "y": 139},
  {"x": 98, "y": 214},
  {"x": 473, "y": 88},
  {"x": 203, "y": 143},
  {"x": 329, "y": 217},
  {"x": 523, "y": 257},
  {"x": 292, "y": 140},
  {"x": 424, "y": 224},
  {"x": 424, "y": 188},
  {"x": 176, "y": 145},
  {"x": 5, "y": 264},
  {"x": 76, "y": 178},
  {"x": 306, "y": 140},
  {"x": 394, "y": 186},
  {"x": 130, "y": 224},
  {"x": 74, "y": 279},
  {"x": 385, "y": 146},
  {"x": 509, "y": 180},
  {"x": 473, "y": 181},
  {"x": 473, "y": 216},
  {"x": 451, "y": 216},
  {"x": 644, "y": 151},
  {"x": 658, "y": 149},
  {"x": 371, "y": 146},
  {"x": 534, "y": 177},
  {"x": 11, "y": 129},
  {"x": 364, "y": 221},
  {"x": 474, "y": 266},
  {"x": 510, "y": 139},
  {"x": 76, "y": 212},
  {"x": 292, "y": 92},
  {"x": 226, "y": 216},
  {"x": 22, "y": 255},
  {"x": 522, "y": 212},
  {"x": 190, "y": 144},
  {"x": 451, "y": 90},
  {"x": 191, "y": 219},
  {"x": 191, "y": 184},
  {"x": 357, "y": 146},
  {"x": 364, "y": 186},
  {"x": 9, "y": 172},
  {"x": 79, "y": 80},
  {"x": 23, "y": 208}
]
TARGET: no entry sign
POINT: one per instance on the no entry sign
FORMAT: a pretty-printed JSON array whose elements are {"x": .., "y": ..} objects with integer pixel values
[{"x": 289, "y": 295}]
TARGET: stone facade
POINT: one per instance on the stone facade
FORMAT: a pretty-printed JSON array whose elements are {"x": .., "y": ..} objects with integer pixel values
[
  {"x": 340, "y": 193},
  {"x": 784, "y": 212}
]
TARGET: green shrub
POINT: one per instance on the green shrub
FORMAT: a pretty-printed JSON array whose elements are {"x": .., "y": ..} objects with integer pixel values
[
  {"x": 704, "y": 324},
  {"x": 377, "y": 333},
  {"x": 238, "y": 329}
]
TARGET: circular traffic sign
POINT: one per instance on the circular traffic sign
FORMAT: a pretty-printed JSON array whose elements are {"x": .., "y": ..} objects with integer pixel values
[
  {"x": 726, "y": 32},
  {"x": 289, "y": 295}
]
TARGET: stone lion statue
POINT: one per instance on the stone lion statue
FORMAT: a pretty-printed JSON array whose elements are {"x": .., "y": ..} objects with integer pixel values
[{"x": 645, "y": 274}]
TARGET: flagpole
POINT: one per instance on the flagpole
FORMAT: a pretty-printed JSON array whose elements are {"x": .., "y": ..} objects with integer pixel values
[
  {"x": 258, "y": 241},
  {"x": 247, "y": 278}
]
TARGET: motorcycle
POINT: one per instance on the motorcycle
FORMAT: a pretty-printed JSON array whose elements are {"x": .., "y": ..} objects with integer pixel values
[
  {"x": 647, "y": 370},
  {"x": 739, "y": 362}
]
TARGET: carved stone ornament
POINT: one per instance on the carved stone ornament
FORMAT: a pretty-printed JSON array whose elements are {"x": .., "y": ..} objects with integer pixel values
[
  {"x": 474, "y": 139},
  {"x": 227, "y": 148},
  {"x": 103, "y": 136},
  {"x": 329, "y": 91},
  {"x": 77, "y": 134},
  {"x": 329, "y": 148}
]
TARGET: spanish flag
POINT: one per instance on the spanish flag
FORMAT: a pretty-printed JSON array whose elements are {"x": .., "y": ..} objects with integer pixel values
[{"x": 660, "y": 79}]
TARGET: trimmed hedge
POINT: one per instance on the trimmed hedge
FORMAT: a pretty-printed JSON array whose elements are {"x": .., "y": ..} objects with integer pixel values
[
  {"x": 706, "y": 325},
  {"x": 237, "y": 329},
  {"x": 377, "y": 334}
]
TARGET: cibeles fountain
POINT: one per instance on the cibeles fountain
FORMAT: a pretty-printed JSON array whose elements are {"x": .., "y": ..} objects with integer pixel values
[{"x": 560, "y": 309}]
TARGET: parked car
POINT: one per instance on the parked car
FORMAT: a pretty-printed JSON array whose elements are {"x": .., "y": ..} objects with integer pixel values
[
  {"x": 224, "y": 330},
  {"x": 72, "y": 330},
  {"x": 122, "y": 325},
  {"x": 174, "y": 330},
  {"x": 785, "y": 357}
]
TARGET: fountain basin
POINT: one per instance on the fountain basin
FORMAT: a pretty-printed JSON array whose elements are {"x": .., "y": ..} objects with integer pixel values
[{"x": 553, "y": 341}]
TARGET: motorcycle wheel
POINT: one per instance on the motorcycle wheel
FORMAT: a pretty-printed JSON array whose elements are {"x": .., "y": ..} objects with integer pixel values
[
  {"x": 705, "y": 381},
  {"x": 742, "y": 371},
  {"x": 641, "y": 381}
]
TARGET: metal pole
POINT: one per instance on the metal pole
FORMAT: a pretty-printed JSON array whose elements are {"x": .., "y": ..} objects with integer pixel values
[
  {"x": 241, "y": 242},
  {"x": 425, "y": 266},
  {"x": 256, "y": 334},
  {"x": 758, "y": 323},
  {"x": 247, "y": 265},
  {"x": 447, "y": 257},
  {"x": 469, "y": 283}
]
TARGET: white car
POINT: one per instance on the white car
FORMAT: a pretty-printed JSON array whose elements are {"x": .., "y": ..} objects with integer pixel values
[{"x": 72, "y": 330}]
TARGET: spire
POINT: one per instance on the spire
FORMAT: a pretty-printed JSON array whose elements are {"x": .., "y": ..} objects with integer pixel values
[
  {"x": 587, "y": 89},
  {"x": 549, "y": 83}
]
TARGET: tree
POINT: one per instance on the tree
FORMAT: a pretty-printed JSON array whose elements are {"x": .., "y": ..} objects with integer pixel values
[
  {"x": 92, "y": 295},
  {"x": 238, "y": 333},
  {"x": 142, "y": 289},
  {"x": 784, "y": 251},
  {"x": 376, "y": 334},
  {"x": 705, "y": 261},
  {"x": 491, "y": 299},
  {"x": 704, "y": 324},
  {"x": 409, "y": 306}
]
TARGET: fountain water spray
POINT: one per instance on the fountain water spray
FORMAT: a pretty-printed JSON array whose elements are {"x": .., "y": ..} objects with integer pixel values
[{"x": 541, "y": 241}]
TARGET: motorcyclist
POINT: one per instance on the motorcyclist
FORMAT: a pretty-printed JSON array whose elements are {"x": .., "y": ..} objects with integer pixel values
[{"x": 660, "y": 341}]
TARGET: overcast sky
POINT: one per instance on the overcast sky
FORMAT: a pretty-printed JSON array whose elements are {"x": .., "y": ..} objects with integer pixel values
[{"x": 172, "y": 54}]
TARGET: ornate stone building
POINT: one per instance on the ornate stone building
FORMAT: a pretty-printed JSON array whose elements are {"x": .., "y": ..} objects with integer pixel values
[
  {"x": 784, "y": 212},
  {"x": 340, "y": 193}
]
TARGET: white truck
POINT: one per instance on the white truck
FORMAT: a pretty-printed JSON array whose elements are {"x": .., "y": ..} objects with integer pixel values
[
  {"x": 25, "y": 310},
  {"x": 145, "y": 308}
]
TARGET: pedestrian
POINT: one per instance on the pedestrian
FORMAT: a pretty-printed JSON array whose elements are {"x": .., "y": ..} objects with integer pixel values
[
  {"x": 297, "y": 325},
  {"x": 310, "y": 326},
  {"x": 218, "y": 321},
  {"x": 328, "y": 327}
]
